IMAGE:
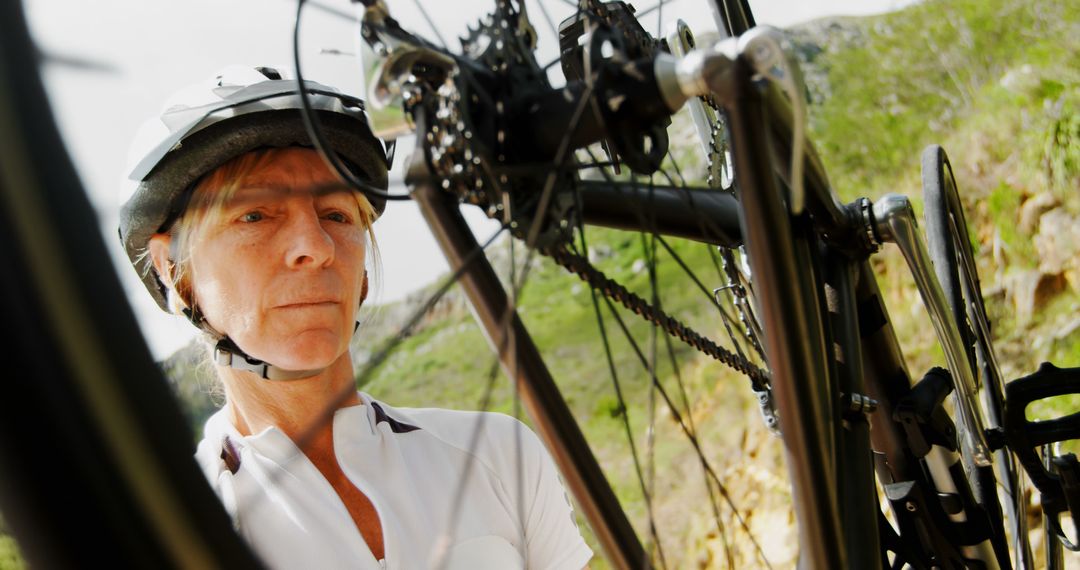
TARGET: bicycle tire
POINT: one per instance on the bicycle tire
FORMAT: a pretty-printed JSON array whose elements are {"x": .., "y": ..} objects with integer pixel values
[
  {"x": 93, "y": 447},
  {"x": 949, "y": 245}
]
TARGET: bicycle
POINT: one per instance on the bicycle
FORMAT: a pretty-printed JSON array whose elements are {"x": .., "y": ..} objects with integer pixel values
[{"x": 806, "y": 253}]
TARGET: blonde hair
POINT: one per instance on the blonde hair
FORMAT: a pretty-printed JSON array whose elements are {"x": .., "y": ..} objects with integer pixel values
[{"x": 204, "y": 208}]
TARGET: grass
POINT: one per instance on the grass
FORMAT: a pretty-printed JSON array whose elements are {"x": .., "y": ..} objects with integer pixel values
[{"x": 10, "y": 557}]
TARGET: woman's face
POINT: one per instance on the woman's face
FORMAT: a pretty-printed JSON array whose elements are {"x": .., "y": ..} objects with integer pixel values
[{"x": 281, "y": 270}]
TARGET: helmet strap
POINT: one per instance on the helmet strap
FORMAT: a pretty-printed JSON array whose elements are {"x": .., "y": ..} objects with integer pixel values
[{"x": 227, "y": 353}]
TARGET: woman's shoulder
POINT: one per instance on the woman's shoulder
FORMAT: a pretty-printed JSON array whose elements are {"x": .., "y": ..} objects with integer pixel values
[{"x": 492, "y": 436}]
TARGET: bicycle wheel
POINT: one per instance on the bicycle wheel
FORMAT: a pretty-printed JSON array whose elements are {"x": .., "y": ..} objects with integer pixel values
[
  {"x": 94, "y": 452},
  {"x": 56, "y": 544},
  {"x": 551, "y": 203},
  {"x": 703, "y": 219},
  {"x": 949, "y": 244}
]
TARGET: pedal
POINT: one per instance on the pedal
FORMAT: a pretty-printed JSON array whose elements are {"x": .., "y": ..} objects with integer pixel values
[
  {"x": 1068, "y": 468},
  {"x": 1059, "y": 480}
]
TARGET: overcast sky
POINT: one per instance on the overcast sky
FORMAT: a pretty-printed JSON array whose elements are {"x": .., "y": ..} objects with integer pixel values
[{"x": 113, "y": 62}]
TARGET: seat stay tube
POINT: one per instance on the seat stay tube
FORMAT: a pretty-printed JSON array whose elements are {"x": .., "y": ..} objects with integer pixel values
[
  {"x": 793, "y": 323},
  {"x": 522, "y": 363},
  {"x": 859, "y": 501}
]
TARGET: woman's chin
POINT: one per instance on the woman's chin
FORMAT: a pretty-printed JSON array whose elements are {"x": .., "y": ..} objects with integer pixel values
[{"x": 312, "y": 350}]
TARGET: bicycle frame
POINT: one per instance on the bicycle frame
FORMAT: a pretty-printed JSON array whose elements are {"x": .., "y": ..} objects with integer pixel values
[
  {"x": 804, "y": 372},
  {"x": 827, "y": 397}
]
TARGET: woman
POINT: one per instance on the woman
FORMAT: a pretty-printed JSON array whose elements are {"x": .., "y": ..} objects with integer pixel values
[{"x": 240, "y": 226}]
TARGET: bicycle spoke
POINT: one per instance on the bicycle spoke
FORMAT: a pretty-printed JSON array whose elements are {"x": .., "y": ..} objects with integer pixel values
[
  {"x": 659, "y": 19},
  {"x": 547, "y": 66},
  {"x": 550, "y": 23},
  {"x": 474, "y": 440},
  {"x": 331, "y": 10},
  {"x": 517, "y": 392},
  {"x": 726, "y": 318},
  {"x": 690, "y": 437},
  {"x": 430, "y": 22},
  {"x": 721, "y": 529},
  {"x": 655, "y": 7},
  {"x": 650, "y": 430},
  {"x": 624, "y": 413}
]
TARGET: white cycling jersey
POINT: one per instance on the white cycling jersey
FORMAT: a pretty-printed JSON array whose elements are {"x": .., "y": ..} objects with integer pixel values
[{"x": 447, "y": 495}]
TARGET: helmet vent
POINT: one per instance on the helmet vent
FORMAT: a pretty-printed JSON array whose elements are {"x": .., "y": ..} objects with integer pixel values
[{"x": 269, "y": 72}]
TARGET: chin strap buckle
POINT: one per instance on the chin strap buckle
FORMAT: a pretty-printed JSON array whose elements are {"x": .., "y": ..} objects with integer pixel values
[
  {"x": 223, "y": 356},
  {"x": 226, "y": 353}
]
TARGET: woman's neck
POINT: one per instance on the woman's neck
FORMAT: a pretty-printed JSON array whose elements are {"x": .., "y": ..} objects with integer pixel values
[{"x": 303, "y": 409}]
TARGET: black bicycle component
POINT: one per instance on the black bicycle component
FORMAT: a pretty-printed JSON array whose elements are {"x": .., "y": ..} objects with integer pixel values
[
  {"x": 499, "y": 136},
  {"x": 581, "y": 267},
  {"x": 623, "y": 99},
  {"x": 612, "y": 34},
  {"x": 620, "y": 205},
  {"x": 1068, "y": 469},
  {"x": 927, "y": 424},
  {"x": 919, "y": 515},
  {"x": 929, "y": 516},
  {"x": 1024, "y": 436},
  {"x": 925, "y": 421},
  {"x": 616, "y": 16},
  {"x": 95, "y": 455}
]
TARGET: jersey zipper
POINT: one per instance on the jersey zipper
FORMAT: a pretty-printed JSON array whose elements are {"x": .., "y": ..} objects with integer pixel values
[{"x": 356, "y": 481}]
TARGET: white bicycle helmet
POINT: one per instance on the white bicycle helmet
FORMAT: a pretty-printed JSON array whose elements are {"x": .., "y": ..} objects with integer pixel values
[{"x": 206, "y": 125}]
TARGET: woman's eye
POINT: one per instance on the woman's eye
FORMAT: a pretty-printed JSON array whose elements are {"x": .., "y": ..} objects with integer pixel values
[
  {"x": 251, "y": 217},
  {"x": 338, "y": 217}
]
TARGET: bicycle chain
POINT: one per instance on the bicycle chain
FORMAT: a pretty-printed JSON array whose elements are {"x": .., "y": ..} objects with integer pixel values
[
  {"x": 715, "y": 164},
  {"x": 596, "y": 279}
]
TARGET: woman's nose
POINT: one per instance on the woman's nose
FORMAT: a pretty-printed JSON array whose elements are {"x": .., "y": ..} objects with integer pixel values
[{"x": 306, "y": 241}]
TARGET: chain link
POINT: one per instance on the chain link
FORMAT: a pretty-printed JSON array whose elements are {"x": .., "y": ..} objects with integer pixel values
[{"x": 596, "y": 279}]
